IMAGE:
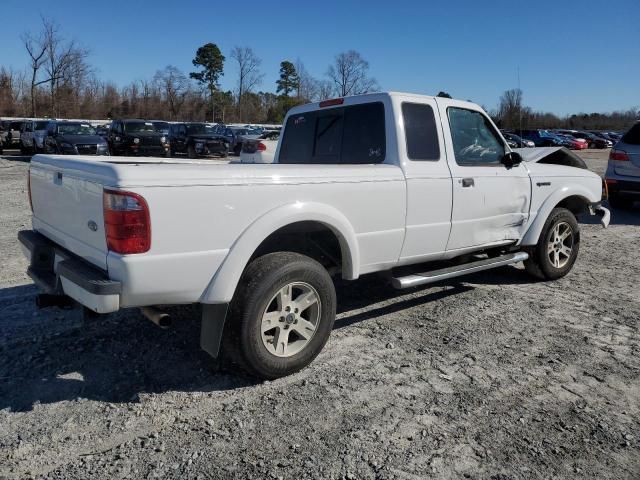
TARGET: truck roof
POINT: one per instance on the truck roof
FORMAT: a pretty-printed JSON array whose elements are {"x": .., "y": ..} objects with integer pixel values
[{"x": 369, "y": 97}]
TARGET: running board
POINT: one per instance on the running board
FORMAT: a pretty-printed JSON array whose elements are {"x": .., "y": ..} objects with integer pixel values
[{"x": 433, "y": 276}]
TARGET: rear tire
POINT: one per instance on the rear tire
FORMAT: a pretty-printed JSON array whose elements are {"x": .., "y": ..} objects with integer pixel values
[
  {"x": 557, "y": 248},
  {"x": 271, "y": 334}
]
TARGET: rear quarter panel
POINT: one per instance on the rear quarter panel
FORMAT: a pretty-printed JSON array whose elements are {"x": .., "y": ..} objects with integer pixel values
[{"x": 197, "y": 224}]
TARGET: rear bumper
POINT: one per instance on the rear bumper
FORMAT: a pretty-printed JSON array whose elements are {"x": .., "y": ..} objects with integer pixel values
[{"x": 56, "y": 271}]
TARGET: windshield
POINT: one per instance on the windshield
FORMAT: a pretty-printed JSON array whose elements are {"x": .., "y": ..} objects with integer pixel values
[
  {"x": 139, "y": 127},
  {"x": 76, "y": 129},
  {"x": 200, "y": 129},
  {"x": 162, "y": 127}
]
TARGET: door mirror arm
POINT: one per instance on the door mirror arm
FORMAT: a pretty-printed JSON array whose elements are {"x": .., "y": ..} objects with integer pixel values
[{"x": 511, "y": 159}]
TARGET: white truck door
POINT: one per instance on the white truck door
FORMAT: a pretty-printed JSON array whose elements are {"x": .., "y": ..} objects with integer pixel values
[
  {"x": 490, "y": 201},
  {"x": 429, "y": 193}
]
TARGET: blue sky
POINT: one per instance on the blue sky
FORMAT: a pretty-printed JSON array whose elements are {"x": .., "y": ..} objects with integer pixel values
[{"x": 573, "y": 55}]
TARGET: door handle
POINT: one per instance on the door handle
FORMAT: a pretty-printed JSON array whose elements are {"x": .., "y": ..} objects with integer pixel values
[{"x": 468, "y": 182}]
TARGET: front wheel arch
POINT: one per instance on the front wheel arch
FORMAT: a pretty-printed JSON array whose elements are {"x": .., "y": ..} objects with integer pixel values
[{"x": 576, "y": 200}]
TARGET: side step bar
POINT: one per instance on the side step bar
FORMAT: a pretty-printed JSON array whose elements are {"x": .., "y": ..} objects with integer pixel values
[{"x": 433, "y": 276}]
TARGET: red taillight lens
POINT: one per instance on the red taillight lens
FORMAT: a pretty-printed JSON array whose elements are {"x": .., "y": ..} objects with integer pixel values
[
  {"x": 261, "y": 147},
  {"x": 331, "y": 102},
  {"x": 126, "y": 222},
  {"x": 619, "y": 156},
  {"x": 29, "y": 189}
]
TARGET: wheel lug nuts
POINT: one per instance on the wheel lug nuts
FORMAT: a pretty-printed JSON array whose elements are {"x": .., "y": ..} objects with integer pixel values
[
  {"x": 295, "y": 311},
  {"x": 282, "y": 319}
]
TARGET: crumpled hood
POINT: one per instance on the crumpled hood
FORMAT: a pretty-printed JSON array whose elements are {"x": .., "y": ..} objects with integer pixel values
[{"x": 552, "y": 156}]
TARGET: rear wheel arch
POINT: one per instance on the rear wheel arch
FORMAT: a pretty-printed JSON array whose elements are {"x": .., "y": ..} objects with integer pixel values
[{"x": 262, "y": 237}]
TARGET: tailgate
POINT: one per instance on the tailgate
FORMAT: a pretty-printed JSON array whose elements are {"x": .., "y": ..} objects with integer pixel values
[{"x": 68, "y": 210}]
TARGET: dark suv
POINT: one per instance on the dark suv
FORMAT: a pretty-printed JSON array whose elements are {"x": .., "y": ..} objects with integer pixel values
[
  {"x": 137, "y": 137},
  {"x": 74, "y": 138},
  {"x": 196, "y": 140}
]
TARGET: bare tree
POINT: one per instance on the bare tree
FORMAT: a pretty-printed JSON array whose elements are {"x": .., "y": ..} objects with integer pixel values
[
  {"x": 510, "y": 109},
  {"x": 174, "y": 86},
  {"x": 307, "y": 85},
  {"x": 350, "y": 74},
  {"x": 37, "y": 50},
  {"x": 325, "y": 90},
  {"x": 249, "y": 75}
]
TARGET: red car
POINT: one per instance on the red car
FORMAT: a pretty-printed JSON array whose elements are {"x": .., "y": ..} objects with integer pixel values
[{"x": 576, "y": 143}]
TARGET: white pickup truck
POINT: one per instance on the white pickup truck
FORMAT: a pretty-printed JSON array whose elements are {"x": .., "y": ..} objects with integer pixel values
[{"x": 421, "y": 189}]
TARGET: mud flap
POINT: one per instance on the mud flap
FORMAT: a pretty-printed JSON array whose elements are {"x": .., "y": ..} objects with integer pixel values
[{"x": 212, "y": 327}]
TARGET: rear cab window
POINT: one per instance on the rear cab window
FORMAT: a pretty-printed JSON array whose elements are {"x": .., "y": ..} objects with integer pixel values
[{"x": 353, "y": 134}]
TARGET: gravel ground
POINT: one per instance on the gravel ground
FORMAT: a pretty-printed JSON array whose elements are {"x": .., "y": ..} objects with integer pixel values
[{"x": 495, "y": 377}]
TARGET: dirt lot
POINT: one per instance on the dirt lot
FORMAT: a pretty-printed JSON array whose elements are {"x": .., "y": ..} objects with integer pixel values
[{"x": 494, "y": 377}]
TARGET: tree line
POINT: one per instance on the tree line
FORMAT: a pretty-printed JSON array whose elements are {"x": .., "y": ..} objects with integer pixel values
[
  {"x": 513, "y": 114},
  {"x": 60, "y": 82}
]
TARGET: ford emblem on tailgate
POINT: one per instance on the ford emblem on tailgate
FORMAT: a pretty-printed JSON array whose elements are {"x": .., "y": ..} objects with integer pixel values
[{"x": 93, "y": 226}]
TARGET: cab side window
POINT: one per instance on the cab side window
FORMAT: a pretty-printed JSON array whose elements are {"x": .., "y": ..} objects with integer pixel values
[{"x": 475, "y": 141}]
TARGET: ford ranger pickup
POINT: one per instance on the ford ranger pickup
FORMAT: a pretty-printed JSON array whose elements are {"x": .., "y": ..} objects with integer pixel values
[{"x": 416, "y": 188}]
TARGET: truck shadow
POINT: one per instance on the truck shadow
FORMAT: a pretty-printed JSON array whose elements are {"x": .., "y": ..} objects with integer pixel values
[{"x": 53, "y": 356}]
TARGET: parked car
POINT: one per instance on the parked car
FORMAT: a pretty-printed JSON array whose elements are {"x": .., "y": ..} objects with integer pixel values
[
  {"x": 596, "y": 141},
  {"x": 161, "y": 126},
  {"x": 236, "y": 136},
  {"x": 517, "y": 141},
  {"x": 346, "y": 196},
  {"x": 3, "y": 135},
  {"x": 571, "y": 142},
  {"x": 196, "y": 140},
  {"x": 33, "y": 135},
  {"x": 261, "y": 149},
  {"x": 74, "y": 138},
  {"x": 103, "y": 130},
  {"x": 137, "y": 137},
  {"x": 13, "y": 133},
  {"x": 591, "y": 140},
  {"x": 604, "y": 136},
  {"x": 623, "y": 170},
  {"x": 542, "y": 138}
]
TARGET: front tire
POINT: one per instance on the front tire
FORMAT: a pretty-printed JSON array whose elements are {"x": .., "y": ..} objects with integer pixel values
[
  {"x": 281, "y": 315},
  {"x": 557, "y": 248}
]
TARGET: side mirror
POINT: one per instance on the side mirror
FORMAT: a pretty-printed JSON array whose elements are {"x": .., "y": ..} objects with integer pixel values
[{"x": 511, "y": 159}]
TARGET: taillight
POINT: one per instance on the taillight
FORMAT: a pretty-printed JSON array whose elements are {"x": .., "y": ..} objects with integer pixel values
[
  {"x": 619, "y": 156},
  {"x": 126, "y": 222},
  {"x": 331, "y": 102},
  {"x": 261, "y": 147},
  {"x": 29, "y": 189}
]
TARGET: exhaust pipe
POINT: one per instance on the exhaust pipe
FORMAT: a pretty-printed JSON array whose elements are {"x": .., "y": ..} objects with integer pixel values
[{"x": 162, "y": 319}]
